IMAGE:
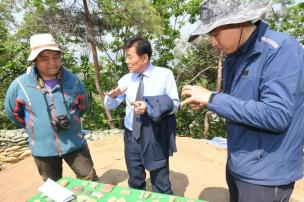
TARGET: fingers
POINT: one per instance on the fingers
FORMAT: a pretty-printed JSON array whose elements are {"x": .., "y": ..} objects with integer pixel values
[
  {"x": 187, "y": 87},
  {"x": 187, "y": 92},
  {"x": 195, "y": 105},
  {"x": 123, "y": 89},
  {"x": 116, "y": 91},
  {"x": 134, "y": 104},
  {"x": 186, "y": 101},
  {"x": 140, "y": 107},
  {"x": 111, "y": 93}
]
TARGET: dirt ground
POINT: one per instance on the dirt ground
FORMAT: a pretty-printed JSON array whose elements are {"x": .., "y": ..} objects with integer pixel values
[{"x": 197, "y": 171}]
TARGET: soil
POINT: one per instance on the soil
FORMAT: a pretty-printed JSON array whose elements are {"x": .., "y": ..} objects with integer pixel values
[{"x": 197, "y": 171}]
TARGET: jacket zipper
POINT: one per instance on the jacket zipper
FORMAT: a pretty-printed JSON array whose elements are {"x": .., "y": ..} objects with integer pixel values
[{"x": 54, "y": 115}]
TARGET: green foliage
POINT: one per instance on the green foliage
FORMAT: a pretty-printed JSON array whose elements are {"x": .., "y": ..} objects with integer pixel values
[
  {"x": 289, "y": 19},
  {"x": 12, "y": 64},
  {"x": 197, "y": 66},
  {"x": 173, "y": 13},
  {"x": 6, "y": 9},
  {"x": 113, "y": 22},
  {"x": 193, "y": 10}
]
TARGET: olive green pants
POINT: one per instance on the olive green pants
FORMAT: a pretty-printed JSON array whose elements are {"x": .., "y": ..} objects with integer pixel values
[{"x": 79, "y": 161}]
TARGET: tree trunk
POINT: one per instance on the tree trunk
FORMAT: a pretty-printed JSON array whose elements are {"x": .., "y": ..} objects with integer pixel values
[
  {"x": 218, "y": 89},
  {"x": 92, "y": 41}
]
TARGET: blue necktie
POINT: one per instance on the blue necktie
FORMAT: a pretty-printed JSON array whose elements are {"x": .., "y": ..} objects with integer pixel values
[{"x": 136, "y": 126}]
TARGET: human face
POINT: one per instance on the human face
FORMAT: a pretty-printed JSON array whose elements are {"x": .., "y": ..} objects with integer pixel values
[
  {"x": 136, "y": 63},
  {"x": 226, "y": 38},
  {"x": 48, "y": 64}
]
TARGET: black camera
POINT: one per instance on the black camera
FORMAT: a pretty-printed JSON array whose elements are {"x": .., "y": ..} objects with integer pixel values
[{"x": 62, "y": 122}]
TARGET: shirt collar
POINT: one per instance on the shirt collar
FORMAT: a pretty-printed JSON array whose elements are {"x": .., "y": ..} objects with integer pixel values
[{"x": 147, "y": 72}]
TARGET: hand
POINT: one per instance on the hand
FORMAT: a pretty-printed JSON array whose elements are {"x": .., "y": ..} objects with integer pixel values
[
  {"x": 197, "y": 96},
  {"x": 117, "y": 91},
  {"x": 140, "y": 107}
]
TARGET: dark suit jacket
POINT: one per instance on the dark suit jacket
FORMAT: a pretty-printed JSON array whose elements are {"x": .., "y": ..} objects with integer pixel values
[{"x": 158, "y": 132}]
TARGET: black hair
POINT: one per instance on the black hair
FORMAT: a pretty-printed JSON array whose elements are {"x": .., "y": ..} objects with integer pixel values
[{"x": 142, "y": 45}]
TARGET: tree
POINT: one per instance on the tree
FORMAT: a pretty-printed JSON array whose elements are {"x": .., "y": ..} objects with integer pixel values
[
  {"x": 289, "y": 19},
  {"x": 78, "y": 26}
]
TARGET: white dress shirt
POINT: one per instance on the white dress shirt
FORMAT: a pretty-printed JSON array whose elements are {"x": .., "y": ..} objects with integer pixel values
[{"x": 157, "y": 81}]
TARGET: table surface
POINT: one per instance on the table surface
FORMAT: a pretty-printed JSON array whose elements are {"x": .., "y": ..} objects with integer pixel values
[{"x": 117, "y": 194}]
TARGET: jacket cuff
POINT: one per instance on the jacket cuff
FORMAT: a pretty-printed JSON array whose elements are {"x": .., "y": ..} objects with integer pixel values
[{"x": 212, "y": 96}]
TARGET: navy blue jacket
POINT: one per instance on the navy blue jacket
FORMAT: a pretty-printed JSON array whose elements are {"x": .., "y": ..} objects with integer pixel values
[
  {"x": 263, "y": 102},
  {"x": 158, "y": 131}
]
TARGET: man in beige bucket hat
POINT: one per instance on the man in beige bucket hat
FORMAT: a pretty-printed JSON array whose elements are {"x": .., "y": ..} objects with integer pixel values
[
  {"x": 41, "y": 42},
  {"x": 262, "y": 99},
  {"x": 48, "y": 101}
]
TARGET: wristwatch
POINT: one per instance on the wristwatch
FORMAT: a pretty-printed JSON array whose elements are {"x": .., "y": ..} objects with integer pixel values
[{"x": 213, "y": 93}]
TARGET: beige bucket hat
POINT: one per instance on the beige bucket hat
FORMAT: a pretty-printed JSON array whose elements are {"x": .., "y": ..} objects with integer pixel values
[
  {"x": 41, "y": 42},
  {"x": 216, "y": 13}
]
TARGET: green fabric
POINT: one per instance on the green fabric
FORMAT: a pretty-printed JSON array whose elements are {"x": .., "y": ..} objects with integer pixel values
[{"x": 134, "y": 196}]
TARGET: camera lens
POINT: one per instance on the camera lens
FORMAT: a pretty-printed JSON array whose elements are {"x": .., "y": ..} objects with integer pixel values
[{"x": 63, "y": 122}]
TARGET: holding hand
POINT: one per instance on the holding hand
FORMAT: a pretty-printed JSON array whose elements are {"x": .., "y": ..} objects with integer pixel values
[
  {"x": 198, "y": 96},
  {"x": 117, "y": 91},
  {"x": 140, "y": 107}
]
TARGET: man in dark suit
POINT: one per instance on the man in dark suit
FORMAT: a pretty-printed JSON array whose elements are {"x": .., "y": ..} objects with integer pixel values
[{"x": 151, "y": 100}]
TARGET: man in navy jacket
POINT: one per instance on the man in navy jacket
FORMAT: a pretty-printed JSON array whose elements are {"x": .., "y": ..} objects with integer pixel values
[
  {"x": 262, "y": 99},
  {"x": 151, "y": 100}
]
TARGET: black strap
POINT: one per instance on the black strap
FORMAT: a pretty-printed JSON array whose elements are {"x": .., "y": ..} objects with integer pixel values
[
  {"x": 49, "y": 106},
  {"x": 49, "y": 111}
]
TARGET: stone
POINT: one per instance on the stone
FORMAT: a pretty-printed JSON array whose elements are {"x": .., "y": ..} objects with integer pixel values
[
  {"x": 77, "y": 190},
  {"x": 85, "y": 183},
  {"x": 15, "y": 154},
  {"x": 93, "y": 185},
  {"x": 10, "y": 160},
  {"x": 121, "y": 199},
  {"x": 125, "y": 192},
  {"x": 64, "y": 182},
  {"x": 25, "y": 153},
  {"x": 112, "y": 199},
  {"x": 98, "y": 195},
  {"x": 14, "y": 148},
  {"x": 83, "y": 198},
  {"x": 107, "y": 188},
  {"x": 147, "y": 194}
]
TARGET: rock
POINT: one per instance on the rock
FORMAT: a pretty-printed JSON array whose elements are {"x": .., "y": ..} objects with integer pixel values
[
  {"x": 93, "y": 185},
  {"x": 88, "y": 192},
  {"x": 121, "y": 199},
  {"x": 14, "y": 148},
  {"x": 77, "y": 190},
  {"x": 10, "y": 160},
  {"x": 112, "y": 199},
  {"x": 64, "y": 182},
  {"x": 11, "y": 133},
  {"x": 97, "y": 195},
  {"x": 125, "y": 192},
  {"x": 107, "y": 188},
  {"x": 22, "y": 143},
  {"x": 25, "y": 153},
  {"x": 15, "y": 154},
  {"x": 83, "y": 198},
  {"x": 13, "y": 142},
  {"x": 7, "y": 153}
]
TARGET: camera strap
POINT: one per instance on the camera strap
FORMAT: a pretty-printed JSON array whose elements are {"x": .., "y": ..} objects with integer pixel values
[
  {"x": 49, "y": 111},
  {"x": 50, "y": 106},
  {"x": 63, "y": 97}
]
